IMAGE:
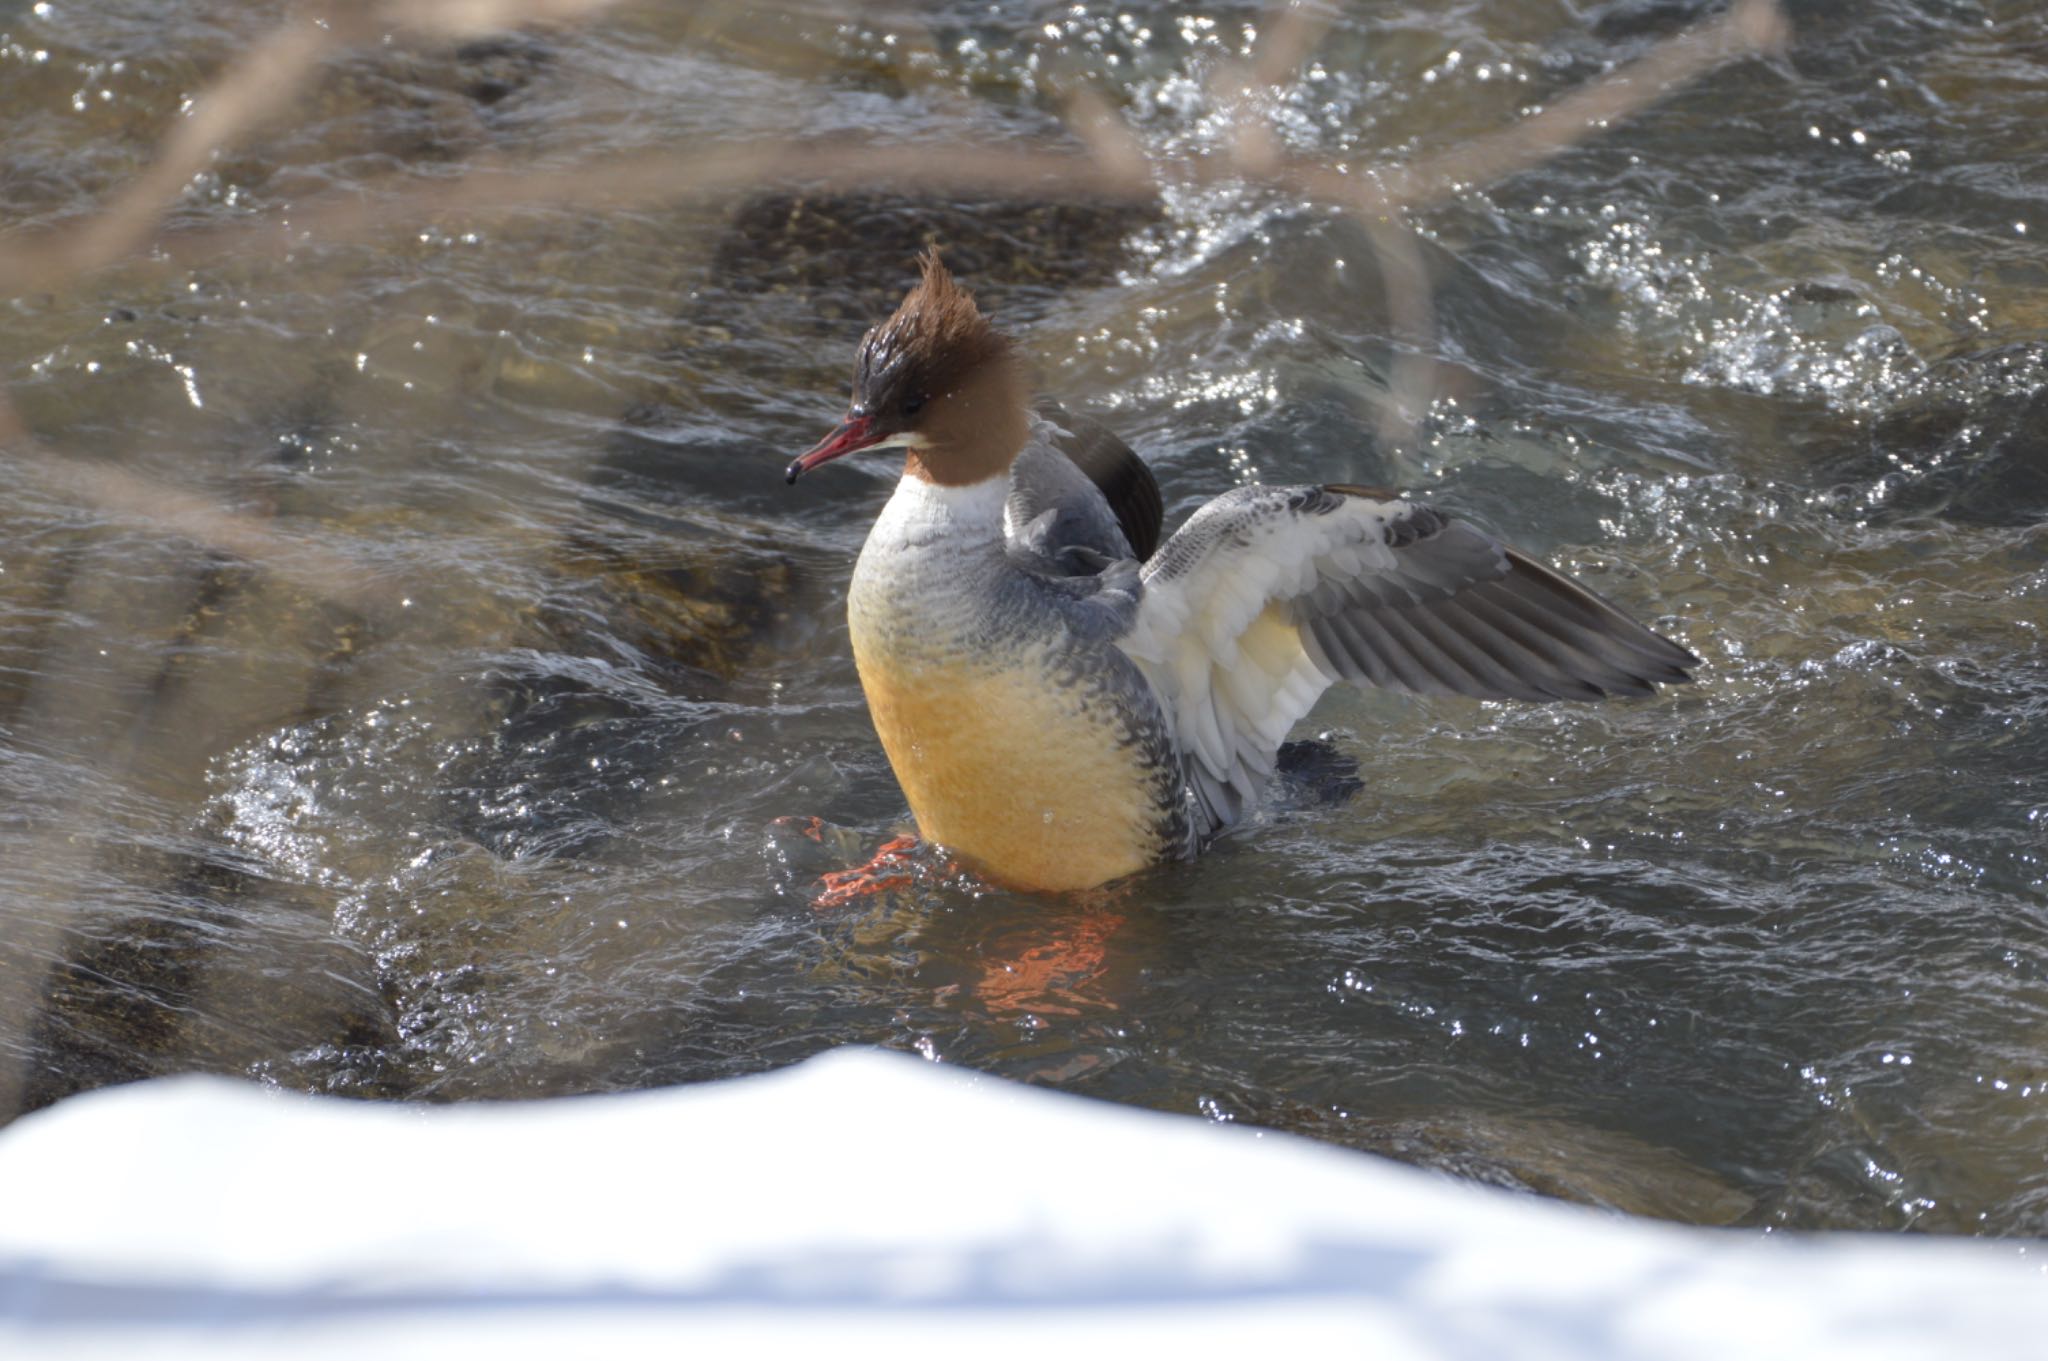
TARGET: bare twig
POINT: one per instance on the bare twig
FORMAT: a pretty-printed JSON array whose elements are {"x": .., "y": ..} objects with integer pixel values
[
  {"x": 1289, "y": 31},
  {"x": 138, "y": 499},
  {"x": 1751, "y": 27},
  {"x": 255, "y": 90},
  {"x": 1108, "y": 138},
  {"x": 1109, "y": 166},
  {"x": 1411, "y": 374},
  {"x": 475, "y": 18},
  {"x": 252, "y": 91}
]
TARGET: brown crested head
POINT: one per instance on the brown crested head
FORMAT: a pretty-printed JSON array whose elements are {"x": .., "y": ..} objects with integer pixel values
[{"x": 937, "y": 379}]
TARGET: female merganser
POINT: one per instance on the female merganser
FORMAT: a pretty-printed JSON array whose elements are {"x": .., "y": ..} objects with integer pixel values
[{"x": 1065, "y": 700}]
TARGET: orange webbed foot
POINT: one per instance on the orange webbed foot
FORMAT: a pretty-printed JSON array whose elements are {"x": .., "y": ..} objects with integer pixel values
[{"x": 891, "y": 868}]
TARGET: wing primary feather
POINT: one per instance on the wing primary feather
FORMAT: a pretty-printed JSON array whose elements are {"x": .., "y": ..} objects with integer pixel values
[
  {"x": 1495, "y": 679},
  {"x": 1319, "y": 657},
  {"x": 1563, "y": 620},
  {"x": 1364, "y": 662},
  {"x": 1598, "y": 614},
  {"x": 1409, "y": 674},
  {"x": 1535, "y": 670},
  {"x": 1507, "y": 616},
  {"x": 1406, "y": 626}
]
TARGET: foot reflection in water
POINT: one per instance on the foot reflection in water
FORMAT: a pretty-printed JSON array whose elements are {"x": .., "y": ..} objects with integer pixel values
[
  {"x": 1062, "y": 973},
  {"x": 1052, "y": 962}
]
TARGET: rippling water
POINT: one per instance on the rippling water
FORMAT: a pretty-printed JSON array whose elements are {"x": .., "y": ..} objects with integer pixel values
[{"x": 500, "y": 781}]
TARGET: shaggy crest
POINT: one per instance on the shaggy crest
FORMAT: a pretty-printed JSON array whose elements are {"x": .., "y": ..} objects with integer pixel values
[{"x": 935, "y": 340}]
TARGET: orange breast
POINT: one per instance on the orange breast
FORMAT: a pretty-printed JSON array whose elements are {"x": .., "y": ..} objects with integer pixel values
[{"x": 1012, "y": 772}]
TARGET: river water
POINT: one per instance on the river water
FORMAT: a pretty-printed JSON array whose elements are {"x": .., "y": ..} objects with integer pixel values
[{"x": 490, "y": 738}]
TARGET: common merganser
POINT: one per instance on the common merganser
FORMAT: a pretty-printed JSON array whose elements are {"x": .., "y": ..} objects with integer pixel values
[{"x": 1064, "y": 699}]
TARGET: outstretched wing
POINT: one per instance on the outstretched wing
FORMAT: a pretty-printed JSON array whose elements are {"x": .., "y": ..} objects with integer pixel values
[{"x": 1268, "y": 595}]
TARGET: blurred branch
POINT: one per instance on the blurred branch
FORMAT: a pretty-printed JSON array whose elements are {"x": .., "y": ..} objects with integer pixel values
[
  {"x": 1288, "y": 33},
  {"x": 1750, "y": 27},
  {"x": 255, "y": 90},
  {"x": 478, "y": 18},
  {"x": 1108, "y": 138},
  {"x": 137, "y": 499},
  {"x": 1109, "y": 164}
]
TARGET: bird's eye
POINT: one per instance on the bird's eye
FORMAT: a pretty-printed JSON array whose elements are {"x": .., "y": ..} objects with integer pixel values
[{"x": 913, "y": 405}]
